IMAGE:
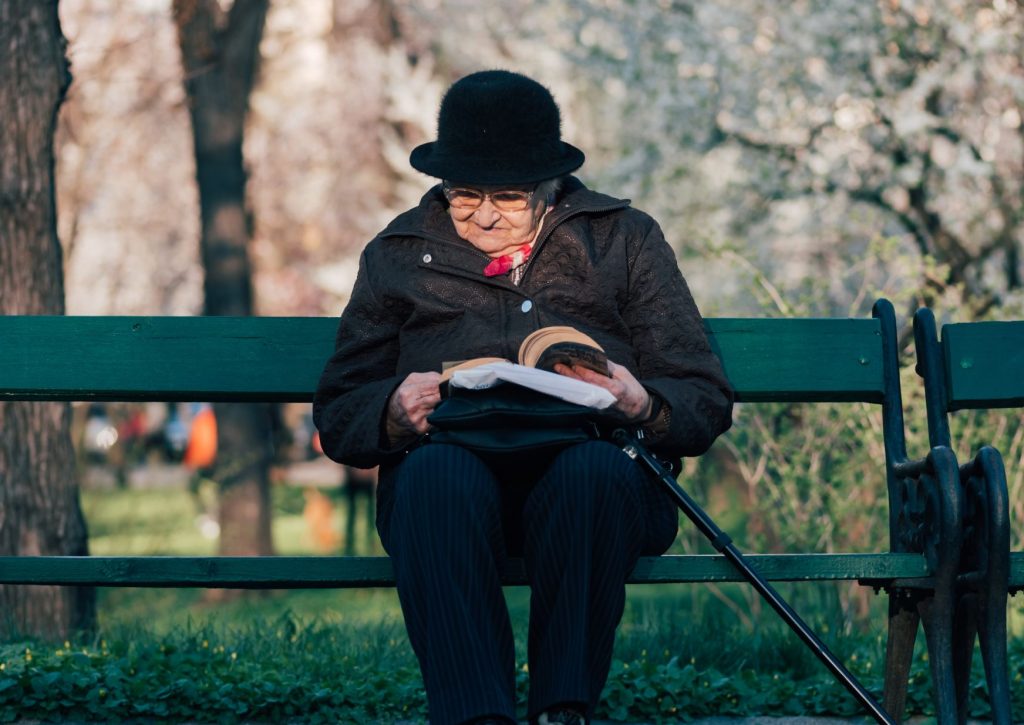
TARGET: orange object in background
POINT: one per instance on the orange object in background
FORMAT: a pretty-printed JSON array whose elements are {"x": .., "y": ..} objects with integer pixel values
[
  {"x": 202, "y": 440},
  {"x": 319, "y": 515}
]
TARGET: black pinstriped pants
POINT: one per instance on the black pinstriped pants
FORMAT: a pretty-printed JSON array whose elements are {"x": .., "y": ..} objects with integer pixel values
[{"x": 580, "y": 519}]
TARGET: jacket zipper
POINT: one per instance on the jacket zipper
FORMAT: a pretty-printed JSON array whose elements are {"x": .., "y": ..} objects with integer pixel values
[{"x": 545, "y": 233}]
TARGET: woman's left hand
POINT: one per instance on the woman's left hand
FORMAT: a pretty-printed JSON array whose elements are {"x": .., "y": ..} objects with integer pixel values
[{"x": 631, "y": 398}]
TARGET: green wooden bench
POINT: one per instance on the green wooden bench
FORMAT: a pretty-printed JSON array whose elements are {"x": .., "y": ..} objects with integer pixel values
[
  {"x": 280, "y": 359},
  {"x": 975, "y": 366}
]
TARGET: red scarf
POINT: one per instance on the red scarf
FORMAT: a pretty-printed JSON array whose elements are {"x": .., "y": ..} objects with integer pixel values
[{"x": 507, "y": 262}]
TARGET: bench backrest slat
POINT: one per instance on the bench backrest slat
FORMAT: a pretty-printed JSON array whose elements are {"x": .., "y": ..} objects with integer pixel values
[
  {"x": 280, "y": 358},
  {"x": 163, "y": 358},
  {"x": 801, "y": 359},
  {"x": 984, "y": 363}
]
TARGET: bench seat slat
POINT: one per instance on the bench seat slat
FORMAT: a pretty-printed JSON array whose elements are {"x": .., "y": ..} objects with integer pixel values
[
  {"x": 288, "y": 572},
  {"x": 280, "y": 358}
]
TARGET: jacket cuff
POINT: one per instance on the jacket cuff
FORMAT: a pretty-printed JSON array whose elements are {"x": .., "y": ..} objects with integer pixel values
[
  {"x": 388, "y": 447},
  {"x": 657, "y": 424}
]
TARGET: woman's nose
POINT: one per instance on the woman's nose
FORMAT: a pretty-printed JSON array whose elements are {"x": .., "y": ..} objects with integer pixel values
[{"x": 486, "y": 214}]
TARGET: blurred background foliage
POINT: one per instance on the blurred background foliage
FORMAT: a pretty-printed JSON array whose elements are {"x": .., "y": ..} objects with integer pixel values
[
  {"x": 770, "y": 139},
  {"x": 804, "y": 158}
]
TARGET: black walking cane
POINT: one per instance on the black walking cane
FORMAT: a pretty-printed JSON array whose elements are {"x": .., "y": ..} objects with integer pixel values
[{"x": 723, "y": 544}]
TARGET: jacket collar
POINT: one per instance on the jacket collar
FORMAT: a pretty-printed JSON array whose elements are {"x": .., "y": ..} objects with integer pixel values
[{"x": 431, "y": 220}]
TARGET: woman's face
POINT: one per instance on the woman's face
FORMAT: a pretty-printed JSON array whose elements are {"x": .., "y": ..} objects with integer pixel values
[{"x": 496, "y": 232}]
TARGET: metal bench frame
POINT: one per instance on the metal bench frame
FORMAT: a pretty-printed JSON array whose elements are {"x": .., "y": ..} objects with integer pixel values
[{"x": 976, "y": 366}]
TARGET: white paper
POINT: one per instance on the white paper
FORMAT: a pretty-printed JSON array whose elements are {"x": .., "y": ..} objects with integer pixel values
[{"x": 559, "y": 386}]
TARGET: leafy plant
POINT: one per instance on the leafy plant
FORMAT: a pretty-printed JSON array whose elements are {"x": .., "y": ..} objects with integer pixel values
[{"x": 289, "y": 670}]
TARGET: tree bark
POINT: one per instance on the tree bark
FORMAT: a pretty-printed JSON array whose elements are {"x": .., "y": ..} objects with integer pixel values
[
  {"x": 220, "y": 54},
  {"x": 39, "y": 507}
]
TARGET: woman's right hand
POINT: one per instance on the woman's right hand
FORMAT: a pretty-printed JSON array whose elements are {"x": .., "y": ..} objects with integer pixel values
[{"x": 408, "y": 407}]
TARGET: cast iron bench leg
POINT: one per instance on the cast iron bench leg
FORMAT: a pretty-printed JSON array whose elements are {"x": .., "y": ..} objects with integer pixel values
[
  {"x": 928, "y": 519},
  {"x": 984, "y": 581},
  {"x": 937, "y": 616},
  {"x": 903, "y": 623},
  {"x": 965, "y": 630},
  {"x": 906, "y": 609}
]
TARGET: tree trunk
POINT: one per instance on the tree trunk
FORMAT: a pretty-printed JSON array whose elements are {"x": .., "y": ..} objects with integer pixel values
[
  {"x": 220, "y": 52},
  {"x": 39, "y": 508}
]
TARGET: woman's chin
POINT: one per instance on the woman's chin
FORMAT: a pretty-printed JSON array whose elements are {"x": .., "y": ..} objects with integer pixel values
[{"x": 493, "y": 244}]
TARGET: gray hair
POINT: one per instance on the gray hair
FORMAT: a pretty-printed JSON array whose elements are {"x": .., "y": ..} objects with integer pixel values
[{"x": 549, "y": 189}]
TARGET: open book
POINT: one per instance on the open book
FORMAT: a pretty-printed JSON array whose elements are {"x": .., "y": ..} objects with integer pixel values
[{"x": 538, "y": 355}]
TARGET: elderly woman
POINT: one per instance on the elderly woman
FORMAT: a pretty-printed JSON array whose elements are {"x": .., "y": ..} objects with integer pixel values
[{"x": 508, "y": 243}]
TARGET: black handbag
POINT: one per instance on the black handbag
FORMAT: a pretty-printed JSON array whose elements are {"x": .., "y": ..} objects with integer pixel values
[{"x": 509, "y": 418}]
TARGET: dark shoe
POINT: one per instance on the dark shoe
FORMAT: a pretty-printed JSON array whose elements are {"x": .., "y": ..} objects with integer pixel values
[{"x": 563, "y": 716}]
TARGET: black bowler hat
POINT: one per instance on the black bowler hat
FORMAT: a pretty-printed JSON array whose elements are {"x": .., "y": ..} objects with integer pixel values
[{"x": 497, "y": 127}]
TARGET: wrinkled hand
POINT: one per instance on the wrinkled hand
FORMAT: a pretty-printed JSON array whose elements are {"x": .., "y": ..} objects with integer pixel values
[
  {"x": 408, "y": 407},
  {"x": 631, "y": 398}
]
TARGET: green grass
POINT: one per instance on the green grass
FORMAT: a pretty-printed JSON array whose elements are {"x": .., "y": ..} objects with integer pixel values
[
  {"x": 167, "y": 521},
  {"x": 287, "y": 668},
  {"x": 343, "y": 656}
]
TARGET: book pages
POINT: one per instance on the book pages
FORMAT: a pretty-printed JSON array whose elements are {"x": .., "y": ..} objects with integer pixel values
[{"x": 558, "y": 386}]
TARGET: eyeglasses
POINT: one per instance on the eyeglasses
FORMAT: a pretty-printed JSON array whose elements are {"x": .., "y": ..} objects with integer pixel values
[{"x": 503, "y": 200}]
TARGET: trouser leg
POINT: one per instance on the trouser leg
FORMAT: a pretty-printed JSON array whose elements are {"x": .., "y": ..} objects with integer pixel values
[
  {"x": 444, "y": 536},
  {"x": 586, "y": 522}
]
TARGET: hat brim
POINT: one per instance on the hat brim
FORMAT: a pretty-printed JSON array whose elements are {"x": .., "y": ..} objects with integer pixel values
[{"x": 484, "y": 171}]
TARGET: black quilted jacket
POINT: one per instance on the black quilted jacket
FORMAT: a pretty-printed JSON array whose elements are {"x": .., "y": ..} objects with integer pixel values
[{"x": 421, "y": 299}]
